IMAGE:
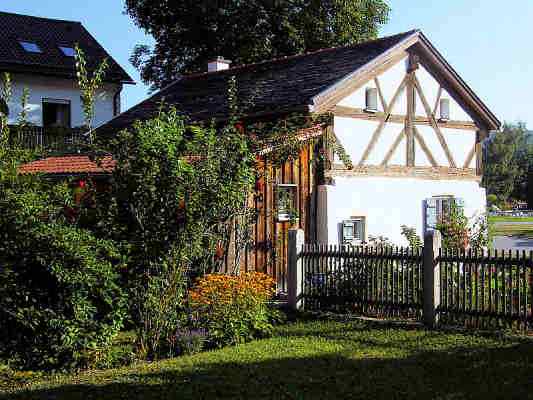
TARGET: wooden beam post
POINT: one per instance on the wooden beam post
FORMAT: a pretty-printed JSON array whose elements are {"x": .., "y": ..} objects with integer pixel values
[
  {"x": 431, "y": 288},
  {"x": 409, "y": 120},
  {"x": 295, "y": 269}
]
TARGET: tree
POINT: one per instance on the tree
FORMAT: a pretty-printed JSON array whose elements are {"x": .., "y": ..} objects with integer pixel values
[
  {"x": 89, "y": 83},
  {"x": 190, "y": 33},
  {"x": 174, "y": 190},
  {"x": 502, "y": 163},
  {"x": 524, "y": 157}
]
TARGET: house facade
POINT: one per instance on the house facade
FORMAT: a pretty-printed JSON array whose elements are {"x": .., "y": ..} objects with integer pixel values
[
  {"x": 38, "y": 53},
  {"x": 415, "y": 151},
  {"x": 410, "y": 126}
]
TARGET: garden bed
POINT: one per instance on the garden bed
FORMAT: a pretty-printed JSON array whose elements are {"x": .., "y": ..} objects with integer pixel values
[{"x": 317, "y": 359}]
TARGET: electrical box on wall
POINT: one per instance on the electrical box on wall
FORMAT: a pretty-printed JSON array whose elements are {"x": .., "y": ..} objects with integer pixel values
[{"x": 352, "y": 231}]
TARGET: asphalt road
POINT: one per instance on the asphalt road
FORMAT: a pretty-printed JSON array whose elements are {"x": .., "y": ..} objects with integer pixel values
[{"x": 513, "y": 242}]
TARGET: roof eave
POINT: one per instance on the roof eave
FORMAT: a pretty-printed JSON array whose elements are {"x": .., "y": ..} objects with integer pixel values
[
  {"x": 490, "y": 120},
  {"x": 400, "y": 46}
]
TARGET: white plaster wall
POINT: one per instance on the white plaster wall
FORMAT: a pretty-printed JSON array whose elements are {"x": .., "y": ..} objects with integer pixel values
[
  {"x": 389, "y": 203},
  {"x": 56, "y": 88},
  {"x": 355, "y": 134},
  {"x": 389, "y": 82},
  {"x": 430, "y": 87}
]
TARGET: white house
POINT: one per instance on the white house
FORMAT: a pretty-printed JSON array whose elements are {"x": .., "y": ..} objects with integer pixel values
[
  {"x": 39, "y": 55},
  {"x": 414, "y": 147}
]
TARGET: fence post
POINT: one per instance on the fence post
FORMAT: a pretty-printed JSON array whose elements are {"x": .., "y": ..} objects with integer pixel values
[
  {"x": 294, "y": 269},
  {"x": 431, "y": 271}
]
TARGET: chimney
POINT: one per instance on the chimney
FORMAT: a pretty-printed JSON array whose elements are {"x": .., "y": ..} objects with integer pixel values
[{"x": 218, "y": 64}]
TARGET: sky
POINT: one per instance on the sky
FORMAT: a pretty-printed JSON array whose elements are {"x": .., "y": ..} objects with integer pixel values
[{"x": 488, "y": 42}]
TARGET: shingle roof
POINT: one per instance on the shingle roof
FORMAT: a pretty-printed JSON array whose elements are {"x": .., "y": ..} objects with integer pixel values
[
  {"x": 70, "y": 164},
  {"x": 49, "y": 34},
  {"x": 279, "y": 85}
]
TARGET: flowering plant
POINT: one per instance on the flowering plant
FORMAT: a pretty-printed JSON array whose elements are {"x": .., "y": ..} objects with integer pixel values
[{"x": 233, "y": 309}]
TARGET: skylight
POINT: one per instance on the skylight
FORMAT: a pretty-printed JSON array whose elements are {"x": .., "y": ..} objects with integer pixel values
[
  {"x": 30, "y": 47},
  {"x": 68, "y": 51}
]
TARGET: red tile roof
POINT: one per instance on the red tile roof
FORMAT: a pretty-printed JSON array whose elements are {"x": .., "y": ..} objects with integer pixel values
[{"x": 72, "y": 164}]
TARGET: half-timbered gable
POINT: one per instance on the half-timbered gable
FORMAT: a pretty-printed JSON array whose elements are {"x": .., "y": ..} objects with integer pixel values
[{"x": 413, "y": 136}]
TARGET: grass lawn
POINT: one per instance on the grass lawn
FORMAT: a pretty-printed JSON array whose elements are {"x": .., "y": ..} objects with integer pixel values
[
  {"x": 501, "y": 219},
  {"x": 313, "y": 360},
  {"x": 525, "y": 231},
  {"x": 506, "y": 226}
]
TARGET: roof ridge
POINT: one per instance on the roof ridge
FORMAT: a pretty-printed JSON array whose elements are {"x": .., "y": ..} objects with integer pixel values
[
  {"x": 38, "y": 17},
  {"x": 294, "y": 56}
]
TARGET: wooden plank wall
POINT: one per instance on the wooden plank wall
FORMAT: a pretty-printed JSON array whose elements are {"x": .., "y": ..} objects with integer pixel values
[{"x": 267, "y": 251}]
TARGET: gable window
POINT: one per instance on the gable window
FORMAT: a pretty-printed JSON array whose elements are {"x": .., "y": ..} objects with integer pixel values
[
  {"x": 444, "y": 107},
  {"x": 438, "y": 208},
  {"x": 371, "y": 96},
  {"x": 67, "y": 51},
  {"x": 116, "y": 104},
  {"x": 56, "y": 113},
  {"x": 30, "y": 47},
  {"x": 286, "y": 202}
]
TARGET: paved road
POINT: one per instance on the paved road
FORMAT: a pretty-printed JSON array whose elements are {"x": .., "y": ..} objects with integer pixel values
[{"x": 513, "y": 242}]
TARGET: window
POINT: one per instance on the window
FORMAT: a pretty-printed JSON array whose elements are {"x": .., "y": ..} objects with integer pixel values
[
  {"x": 444, "y": 109},
  {"x": 116, "y": 104},
  {"x": 56, "y": 113},
  {"x": 68, "y": 51},
  {"x": 286, "y": 202},
  {"x": 353, "y": 231},
  {"x": 371, "y": 99},
  {"x": 437, "y": 208},
  {"x": 30, "y": 47}
]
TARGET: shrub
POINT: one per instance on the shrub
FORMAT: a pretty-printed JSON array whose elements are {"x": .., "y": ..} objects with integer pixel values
[
  {"x": 233, "y": 309},
  {"x": 411, "y": 236},
  {"x": 60, "y": 301},
  {"x": 160, "y": 298},
  {"x": 60, "y": 304}
]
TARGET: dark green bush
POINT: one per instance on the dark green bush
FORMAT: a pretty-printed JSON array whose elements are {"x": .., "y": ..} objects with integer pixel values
[
  {"x": 60, "y": 299},
  {"x": 60, "y": 304}
]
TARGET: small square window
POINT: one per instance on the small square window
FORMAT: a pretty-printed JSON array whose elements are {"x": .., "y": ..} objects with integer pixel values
[
  {"x": 68, "y": 51},
  {"x": 30, "y": 47}
]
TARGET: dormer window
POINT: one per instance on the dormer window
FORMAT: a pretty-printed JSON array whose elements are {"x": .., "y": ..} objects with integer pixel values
[
  {"x": 371, "y": 100},
  {"x": 30, "y": 47},
  {"x": 67, "y": 51},
  {"x": 444, "y": 110}
]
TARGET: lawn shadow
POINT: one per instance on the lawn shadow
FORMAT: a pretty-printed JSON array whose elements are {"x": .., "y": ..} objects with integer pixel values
[{"x": 475, "y": 373}]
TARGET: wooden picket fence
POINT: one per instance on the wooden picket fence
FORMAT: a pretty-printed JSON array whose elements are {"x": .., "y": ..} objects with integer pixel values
[
  {"x": 489, "y": 289},
  {"x": 383, "y": 281},
  {"x": 486, "y": 289}
]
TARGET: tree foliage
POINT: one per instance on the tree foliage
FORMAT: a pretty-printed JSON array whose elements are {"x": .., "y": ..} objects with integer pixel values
[
  {"x": 190, "y": 33},
  {"x": 502, "y": 164},
  {"x": 89, "y": 82}
]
